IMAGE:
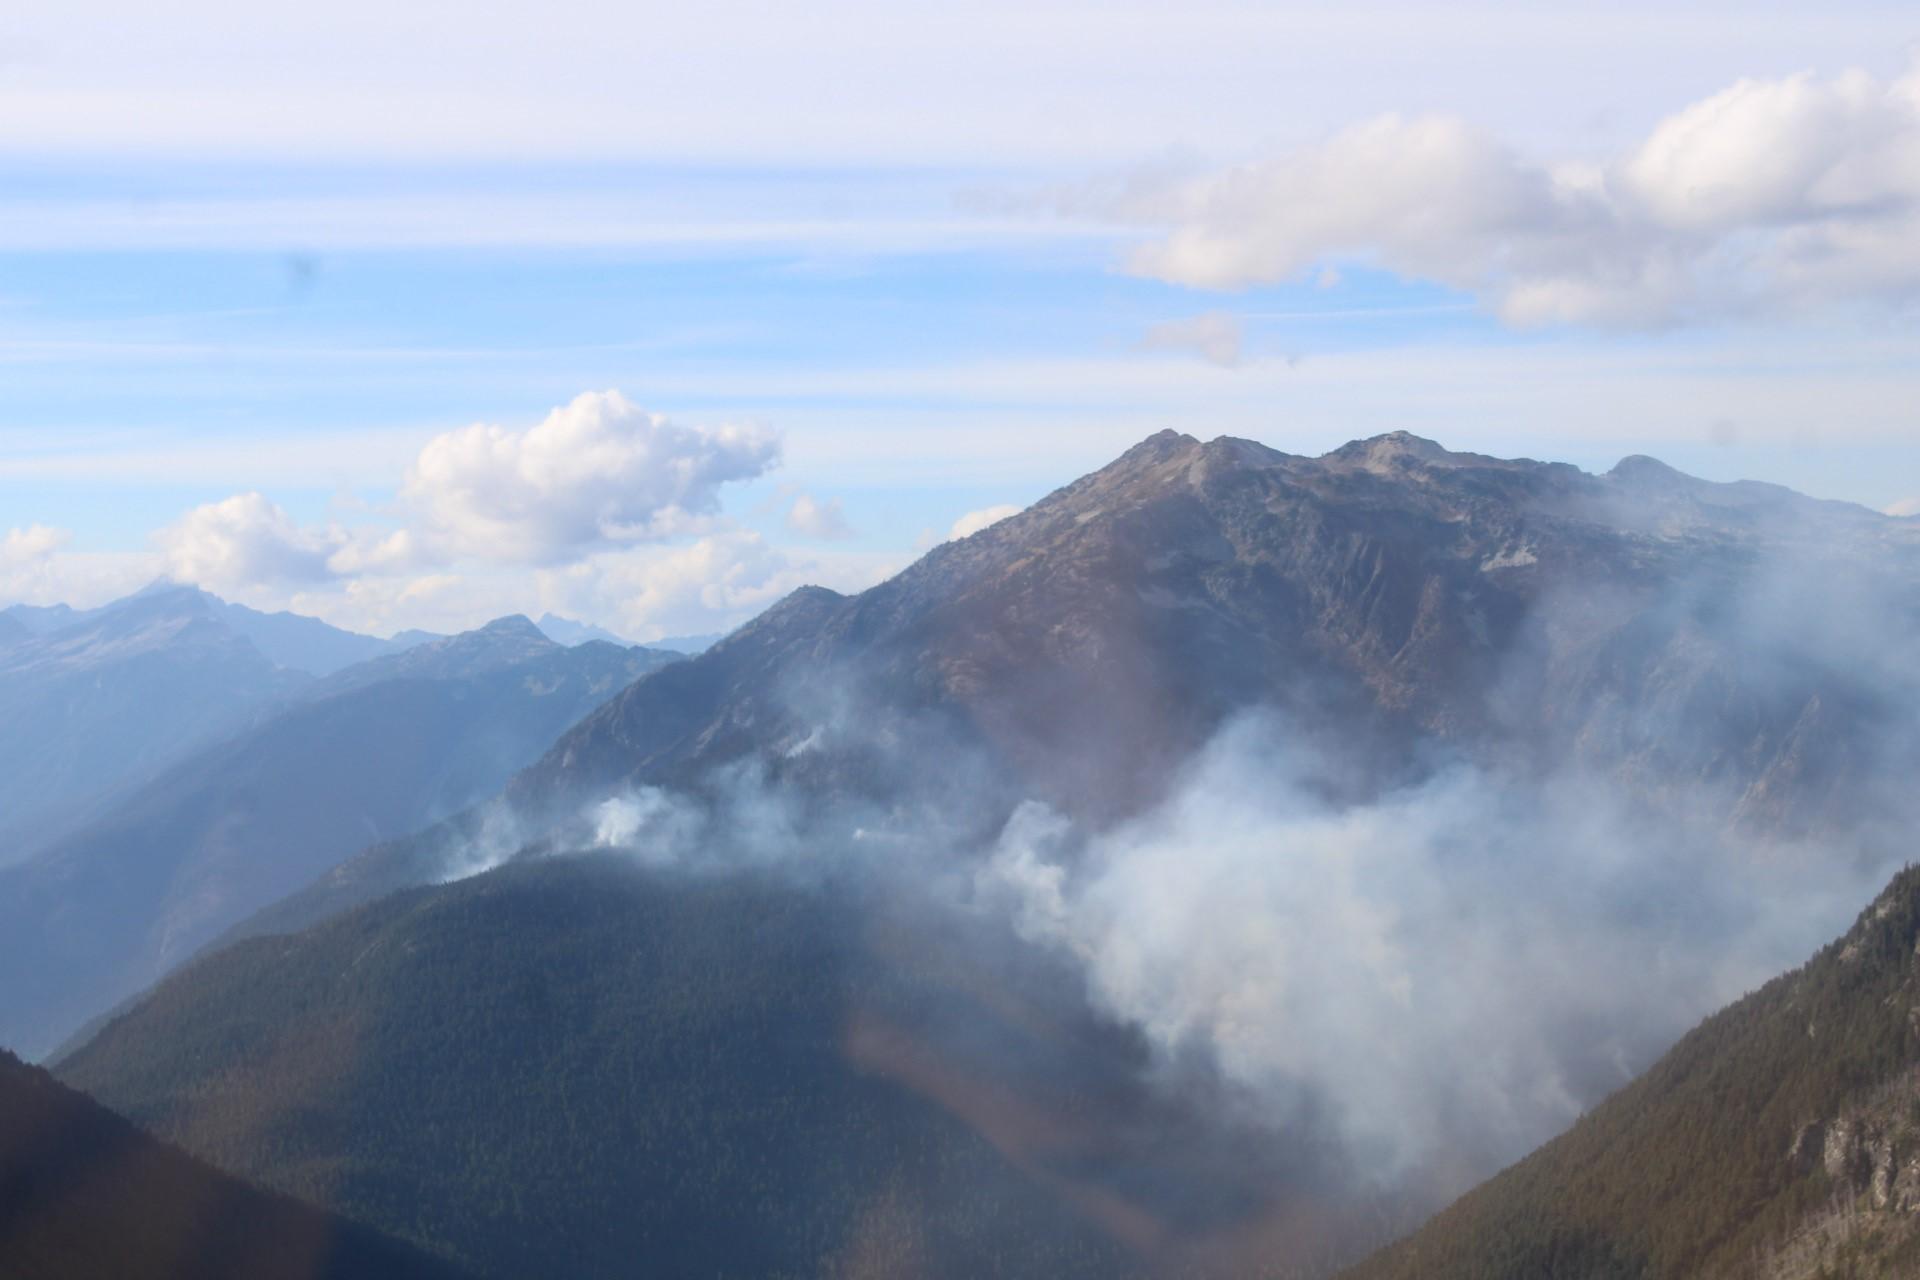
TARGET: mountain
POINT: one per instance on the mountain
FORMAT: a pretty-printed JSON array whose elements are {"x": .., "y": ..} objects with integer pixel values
[
  {"x": 39, "y": 619},
  {"x": 1391, "y": 597},
  {"x": 567, "y": 631},
  {"x": 502, "y": 643},
  {"x": 101, "y": 699},
  {"x": 1775, "y": 1142},
  {"x": 298, "y": 642},
  {"x": 1728, "y": 662},
  {"x": 374, "y": 752},
  {"x": 85, "y": 1194},
  {"x": 113, "y": 697},
  {"x": 578, "y": 1067},
  {"x": 289, "y": 640}
]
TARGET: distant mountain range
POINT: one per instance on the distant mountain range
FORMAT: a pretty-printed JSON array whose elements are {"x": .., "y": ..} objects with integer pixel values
[
  {"x": 103, "y": 699},
  {"x": 286, "y": 639},
  {"x": 371, "y": 752}
]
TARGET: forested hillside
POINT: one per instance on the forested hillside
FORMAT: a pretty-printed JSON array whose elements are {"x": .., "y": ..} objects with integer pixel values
[
  {"x": 574, "y": 1068},
  {"x": 86, "y": 1196}
]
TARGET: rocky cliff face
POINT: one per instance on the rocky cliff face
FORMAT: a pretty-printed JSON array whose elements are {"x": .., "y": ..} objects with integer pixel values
[{"x": 1868, "y": 1154}]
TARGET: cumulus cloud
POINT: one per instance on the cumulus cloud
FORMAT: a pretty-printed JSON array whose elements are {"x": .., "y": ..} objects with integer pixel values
[
  {"x": 1215, "y": 337},
  {"x": 1905, "y": 507},
  {"x": 1772, "y": 194},
  {"x": 596, "y": 472},
  {"x": 245, "y": 540},
  {"x": 974, "y": 521},
  {"x": 479, "y": 506},
  {"x": 599, "y": 511},
  {"x": 811, "y": 518}
]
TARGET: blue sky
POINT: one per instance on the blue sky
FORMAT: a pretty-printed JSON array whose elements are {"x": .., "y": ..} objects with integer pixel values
[{"x": 946, "y": 264}]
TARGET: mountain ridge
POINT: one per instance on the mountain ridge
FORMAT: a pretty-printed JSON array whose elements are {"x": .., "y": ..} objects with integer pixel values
[
  {"x": 112, "y": 697},
  {"x": 1391, "y": 567},
  {"x": 375, "y": 751}
]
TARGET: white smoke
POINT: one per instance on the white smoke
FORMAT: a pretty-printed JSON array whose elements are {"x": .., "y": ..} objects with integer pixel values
[
  {"x": 655, "y": 826},
  {"x": 1465, "y": 964},
  {"x": 1447, "y": 973},
  {"x": 501, "y": 833}
]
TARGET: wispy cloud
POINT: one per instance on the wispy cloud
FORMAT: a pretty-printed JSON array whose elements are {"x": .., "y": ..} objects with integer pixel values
[
  {"x": 1215, "y": 337},
  {"x": 811, "y": 517}
]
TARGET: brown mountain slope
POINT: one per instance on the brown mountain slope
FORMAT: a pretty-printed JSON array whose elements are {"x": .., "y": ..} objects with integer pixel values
[{"x": 1679, "y": 631}]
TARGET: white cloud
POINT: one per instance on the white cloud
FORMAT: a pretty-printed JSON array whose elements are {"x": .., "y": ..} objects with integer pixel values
[
  {"x": 1771, "y": 195},
  {"x": 1215, "y": 337},
  {"x": 35, "y": 542},
  {"x": 600, "y": 511},
  {"x": 375, "y": 550},
  {"x": 974, "y": 521},
  {"x": 241, "y": 541},
  {"x": 811, "y": 518},
  {"x": 37, "y": 568},
  {"x": 710, "y": 584},
  {"x": 595, "y": 473},
  {"x": 445, "y": 602},
  {"x": 1905, "y": 507}
]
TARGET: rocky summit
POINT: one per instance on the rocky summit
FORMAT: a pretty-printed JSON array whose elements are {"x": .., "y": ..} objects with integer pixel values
[{"x": 1392, "y": 595}]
